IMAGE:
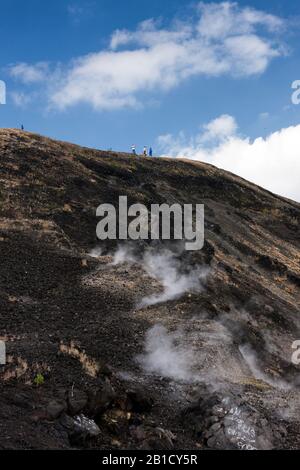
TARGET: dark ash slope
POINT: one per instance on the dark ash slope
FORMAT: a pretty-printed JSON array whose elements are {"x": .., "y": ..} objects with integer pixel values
[{"x": 73, "y": 318}]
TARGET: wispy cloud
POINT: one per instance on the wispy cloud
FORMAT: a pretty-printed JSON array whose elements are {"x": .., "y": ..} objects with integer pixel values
[
  {"x": 225, "y": 19},
  {"x": 20, "y": 99},
  {"x": 29, "y": 73},
  {"x": 264, "y": 115},
  {"x": 219, "y": 39},
  {"x": 80, "y": 11}
]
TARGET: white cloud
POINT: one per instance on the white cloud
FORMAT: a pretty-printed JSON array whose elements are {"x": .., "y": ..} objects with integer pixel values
[
  {"x": 148, "y": 34},
  {"x": 20, "y": 99},
  {"x": 220, "y": 38},
  {"x": 220, "y": 128},
  {"x": 272, "y": 162},
  {"x": 27, "y": 73},
  {"x": 264, "y": 115},
  {"x": 220, "y": 20}
]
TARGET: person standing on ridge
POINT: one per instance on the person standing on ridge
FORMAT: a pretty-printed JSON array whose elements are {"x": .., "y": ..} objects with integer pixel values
[
  {"x": 145, "y": 153},
  {"x": 150, "y": 152},
  {"x": 133, "y": 149}
]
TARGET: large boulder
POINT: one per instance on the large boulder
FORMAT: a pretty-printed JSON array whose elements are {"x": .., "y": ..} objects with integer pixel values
[{"x": 225, "y": 421}]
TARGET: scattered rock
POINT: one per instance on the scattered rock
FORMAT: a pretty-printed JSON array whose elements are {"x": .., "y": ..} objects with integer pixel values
[
  {"x": 215, "y": 427},
  {"x": 86, "y": 425},
  {"x": 22, "y": 400},
  {"x": 55, "y": 408},
  {"x": 139, "y": 433},
  {"x": 139, "y": 401},
  {"x": 237, "y": 425},
  {"x": 77, "y": 401},
  {"x": 101, "y": 398},
  {"x": 158, "y": 439},
  {"x": 80, "y": 429}
]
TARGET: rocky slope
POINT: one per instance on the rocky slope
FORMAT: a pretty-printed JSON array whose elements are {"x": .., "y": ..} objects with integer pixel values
[{"x": 88, "y": 364}]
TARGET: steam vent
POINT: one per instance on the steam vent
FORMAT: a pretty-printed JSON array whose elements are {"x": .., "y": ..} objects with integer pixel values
[{"x": 143, "y": 344}]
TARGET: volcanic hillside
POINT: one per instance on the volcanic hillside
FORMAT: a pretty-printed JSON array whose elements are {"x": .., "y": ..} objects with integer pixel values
[{"x": 143, "y": 345}]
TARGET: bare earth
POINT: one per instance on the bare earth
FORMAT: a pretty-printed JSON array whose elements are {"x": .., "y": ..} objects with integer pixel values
[{"x": 74, "y": 332}]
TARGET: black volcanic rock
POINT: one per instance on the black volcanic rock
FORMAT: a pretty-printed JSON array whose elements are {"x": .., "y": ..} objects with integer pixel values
[{"x": 64, "y": 314}]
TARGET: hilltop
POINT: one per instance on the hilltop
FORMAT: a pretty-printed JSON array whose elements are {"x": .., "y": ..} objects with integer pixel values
[{"x": 75, "y": 334}]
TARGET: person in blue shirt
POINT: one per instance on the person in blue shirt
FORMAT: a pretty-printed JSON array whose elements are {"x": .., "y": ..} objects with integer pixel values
[{"x": 150, "y": 152}]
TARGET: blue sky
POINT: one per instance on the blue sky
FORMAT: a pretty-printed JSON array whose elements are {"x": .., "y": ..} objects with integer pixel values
[{"x": 164, "y": 79}]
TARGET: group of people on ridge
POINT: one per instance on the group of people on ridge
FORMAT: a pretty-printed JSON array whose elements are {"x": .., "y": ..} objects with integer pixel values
[{"x": 145, "y": 151}]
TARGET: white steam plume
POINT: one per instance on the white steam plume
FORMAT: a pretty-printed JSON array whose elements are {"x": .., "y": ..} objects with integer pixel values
[
  {"x": 123, "y": 255},
  {"x": 165, "y": 356},
  {"x": 95, "y": 252},
  {"x": 166, "y": 269},
  {"x": 250, "y": 358}
]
